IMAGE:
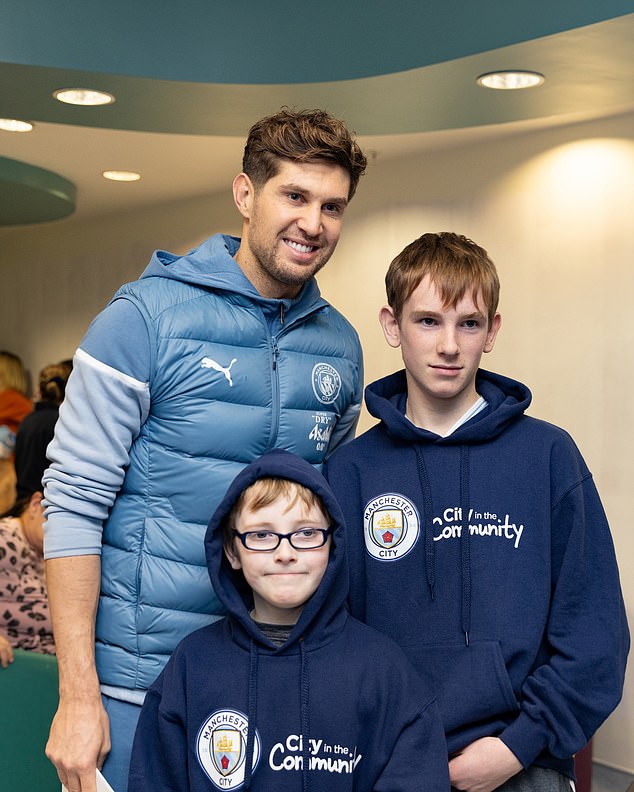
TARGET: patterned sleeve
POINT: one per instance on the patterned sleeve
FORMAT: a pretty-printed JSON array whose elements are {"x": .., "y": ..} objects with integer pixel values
[{"x": 24, "y": 614}]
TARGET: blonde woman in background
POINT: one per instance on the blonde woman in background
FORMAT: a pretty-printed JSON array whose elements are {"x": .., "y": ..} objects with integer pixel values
[{"x": 14, "y": 407}]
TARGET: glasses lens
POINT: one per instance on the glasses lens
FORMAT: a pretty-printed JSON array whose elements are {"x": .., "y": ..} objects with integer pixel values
[
  {"x": 308, "y": 538},
  {"x": 260, "y": 540}
]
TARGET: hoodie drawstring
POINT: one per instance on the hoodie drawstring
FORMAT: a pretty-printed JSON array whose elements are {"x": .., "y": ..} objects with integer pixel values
[
  {"x": 430, "y": 552},
  {"x": 304, "y": 694},
  {"x": 251, "y": 713},
  {"x": 305, "y": 716},
  {"x": 465, "y": 543}
]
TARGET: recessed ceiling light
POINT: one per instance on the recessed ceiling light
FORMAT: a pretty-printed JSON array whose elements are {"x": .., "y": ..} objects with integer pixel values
[
  {"x": 13, "y": 125},
  {"x": 123, "y": 176},
  {"x": 510, "y": 80},
  {"x": 83, "y": 96}
]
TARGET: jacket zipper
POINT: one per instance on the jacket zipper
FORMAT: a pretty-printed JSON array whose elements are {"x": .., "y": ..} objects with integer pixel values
[
  {"x": 276, "y": 392},
  {"x": 276, "y": 406}
]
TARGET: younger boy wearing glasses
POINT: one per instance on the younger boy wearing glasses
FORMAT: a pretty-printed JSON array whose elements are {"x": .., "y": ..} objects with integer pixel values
[{"x": 288, "y": 692}]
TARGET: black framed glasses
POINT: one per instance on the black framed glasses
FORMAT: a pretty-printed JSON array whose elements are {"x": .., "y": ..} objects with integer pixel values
[{"x": 304, "y": 539}]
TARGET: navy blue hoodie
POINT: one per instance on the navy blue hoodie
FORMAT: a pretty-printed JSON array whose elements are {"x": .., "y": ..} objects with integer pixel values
[
  {"x": 487, "y": 556},
  {"x": 337, "y": 708}
]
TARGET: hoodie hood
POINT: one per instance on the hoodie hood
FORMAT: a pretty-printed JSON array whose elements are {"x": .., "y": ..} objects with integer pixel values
[
  {"x": 323, "y": 611},
  {"x": 212, "y": 265},
  {"x": 506, "y": 401}
]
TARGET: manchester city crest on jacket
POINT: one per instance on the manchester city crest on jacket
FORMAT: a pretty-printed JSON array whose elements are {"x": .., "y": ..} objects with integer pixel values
[{"x": 326, "y": 382}]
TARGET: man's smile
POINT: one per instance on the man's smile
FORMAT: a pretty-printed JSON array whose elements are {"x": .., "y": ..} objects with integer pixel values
[{"x": 300, "y": 247}]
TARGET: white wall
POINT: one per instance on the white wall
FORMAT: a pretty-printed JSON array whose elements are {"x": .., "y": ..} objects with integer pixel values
[
  {"x": 554, "y": 209},
  {"x": 57, "y": 276}
]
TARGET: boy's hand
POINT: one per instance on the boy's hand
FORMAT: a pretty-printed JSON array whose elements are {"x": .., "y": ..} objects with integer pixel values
[{"x": 483, "y": 766}]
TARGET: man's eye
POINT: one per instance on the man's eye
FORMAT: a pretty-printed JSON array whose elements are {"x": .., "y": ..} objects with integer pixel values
[
  {"x": 332, "y": 208},
  {"x": 294, "y": 196}
]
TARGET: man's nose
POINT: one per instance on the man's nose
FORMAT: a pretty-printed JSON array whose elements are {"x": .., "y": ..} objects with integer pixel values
[{"x": 310, "y": 221}]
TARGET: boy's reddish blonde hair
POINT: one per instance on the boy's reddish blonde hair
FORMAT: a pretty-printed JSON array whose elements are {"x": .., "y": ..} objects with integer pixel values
[
  {"x": 455, "y": 265},
  {"x": 266, "y": 491}
]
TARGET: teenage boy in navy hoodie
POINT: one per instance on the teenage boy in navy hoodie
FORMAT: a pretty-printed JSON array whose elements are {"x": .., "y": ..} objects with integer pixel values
[
  {"x": 477, "y": 539},
  {"x": 317, "y": 699}
]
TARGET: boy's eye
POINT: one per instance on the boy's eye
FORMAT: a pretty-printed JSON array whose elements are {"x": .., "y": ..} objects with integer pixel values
[
  {"x": 306, "y": 533},
  {"x": 428, "y": 321},
  {"x": 262, "y": 536},
  {"x": 472, "y": 324}
]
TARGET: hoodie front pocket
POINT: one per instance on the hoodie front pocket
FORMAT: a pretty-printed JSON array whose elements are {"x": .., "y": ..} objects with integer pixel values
[{"x": 471, "y": 683}]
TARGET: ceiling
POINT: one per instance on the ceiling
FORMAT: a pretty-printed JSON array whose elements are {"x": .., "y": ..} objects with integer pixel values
[{"x": 190, "y": 78}]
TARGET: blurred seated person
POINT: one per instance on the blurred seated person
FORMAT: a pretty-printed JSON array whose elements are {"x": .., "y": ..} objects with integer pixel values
[
  {"x": 14, "y": 407},
  {"x": 24, "y": 618},
  {"x": 37, "y": 429}
]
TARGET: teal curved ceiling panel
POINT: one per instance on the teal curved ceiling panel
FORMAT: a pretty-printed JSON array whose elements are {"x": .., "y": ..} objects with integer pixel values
[
  {"x": 29, "y": 194},
  {"x": 252, "y": 42}
]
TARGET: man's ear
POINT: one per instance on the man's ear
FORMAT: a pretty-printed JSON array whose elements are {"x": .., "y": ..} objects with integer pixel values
[
  {"x": 390, "y": 326},
  {"x": 493, "y": 331},
  {"x": 243, "y": 192}
]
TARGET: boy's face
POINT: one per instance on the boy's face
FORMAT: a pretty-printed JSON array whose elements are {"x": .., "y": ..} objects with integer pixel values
[
  {"x": 282, "y": 580},
  {"x": 441, "y": 347},
  {"x": 291, "y": 224}
]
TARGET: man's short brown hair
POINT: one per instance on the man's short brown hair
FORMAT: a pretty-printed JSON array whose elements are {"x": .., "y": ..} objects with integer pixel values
[
  {"x": 455, "y": 265},
  {"x": 301, "y": 136}
]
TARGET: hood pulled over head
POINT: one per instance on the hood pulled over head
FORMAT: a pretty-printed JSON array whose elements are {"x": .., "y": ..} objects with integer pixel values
[{"x": 231, "y": 588}]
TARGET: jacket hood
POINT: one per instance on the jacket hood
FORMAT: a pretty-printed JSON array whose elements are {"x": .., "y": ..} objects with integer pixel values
[
  {"x": 322, "y": 613},
  {"x": 507, "y": 400},
  {"x": 212, "y": 264}
]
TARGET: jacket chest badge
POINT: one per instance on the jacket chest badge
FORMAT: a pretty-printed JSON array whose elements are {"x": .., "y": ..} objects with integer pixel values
[
  {"x": 221, "y": 748},
  {"x": 326, "y": 382},
  {"x": 391, "y": 526},
  {"x": 210, "y": 363}
]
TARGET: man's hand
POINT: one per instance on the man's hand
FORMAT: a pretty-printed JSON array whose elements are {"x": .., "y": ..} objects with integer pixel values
[
  {"x": 483, "y": 766},
  {"x": 79, "y": 742},
  {"x": 80, "y": 733},
  {"x": 6, "y": 652}
]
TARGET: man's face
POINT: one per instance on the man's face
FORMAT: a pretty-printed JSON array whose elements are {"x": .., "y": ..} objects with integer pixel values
[
  {"x": 441, "y": 347},
  {"x": 291, "y": 224},
  {"x": 282, "y": 580}
]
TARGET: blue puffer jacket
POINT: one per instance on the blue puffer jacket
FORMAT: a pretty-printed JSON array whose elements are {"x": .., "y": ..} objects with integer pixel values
[{"x": 232, "y": 375}]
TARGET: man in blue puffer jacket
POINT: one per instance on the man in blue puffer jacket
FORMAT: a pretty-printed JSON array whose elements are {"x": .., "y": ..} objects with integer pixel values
[{"x": 200, "y": 366}]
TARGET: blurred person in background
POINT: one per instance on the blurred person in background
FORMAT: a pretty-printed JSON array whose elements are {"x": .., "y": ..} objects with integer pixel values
[
  {"x": 37, "y": 429},
  {"x": 24, "y": 617},
  {"x": 14, "y": 407}
]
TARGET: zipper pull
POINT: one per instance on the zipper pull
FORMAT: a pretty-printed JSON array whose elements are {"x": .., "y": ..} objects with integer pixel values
[
  {"x": 274, "y": 355},
  {"x": 282, "y": 312}
]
